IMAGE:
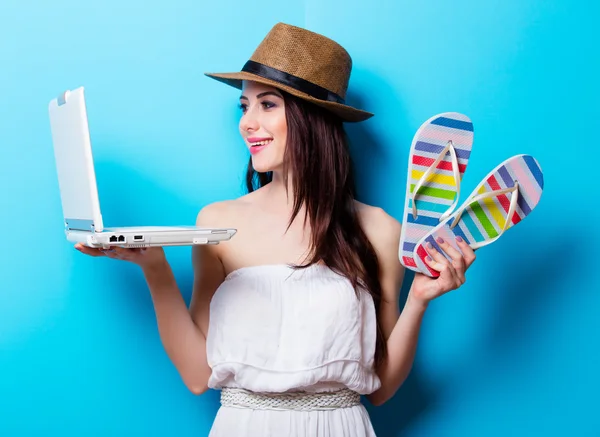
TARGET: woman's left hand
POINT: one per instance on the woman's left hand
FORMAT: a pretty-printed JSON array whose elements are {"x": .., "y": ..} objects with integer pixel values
[{"x": 452, "y": 273}]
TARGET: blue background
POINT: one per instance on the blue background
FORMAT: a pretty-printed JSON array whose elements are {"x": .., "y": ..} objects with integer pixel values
[{"x": 515, "y": 351}]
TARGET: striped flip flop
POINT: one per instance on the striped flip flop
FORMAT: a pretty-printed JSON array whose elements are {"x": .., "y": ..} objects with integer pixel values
[
  {"x": 438, "y": 158},
  {"x": 506, "y": 196}
]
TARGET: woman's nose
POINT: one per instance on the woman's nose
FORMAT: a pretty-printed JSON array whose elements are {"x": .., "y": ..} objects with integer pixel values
[{"x": 249, "y": 121}]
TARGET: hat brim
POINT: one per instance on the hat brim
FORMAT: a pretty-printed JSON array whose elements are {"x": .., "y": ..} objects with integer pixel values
[{"x": 345, "y": 112}]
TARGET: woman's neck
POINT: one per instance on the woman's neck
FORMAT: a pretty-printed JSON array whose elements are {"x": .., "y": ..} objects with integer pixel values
[
  {"x": 277, "y": 190},
  {"x": 281, "y": 201}
]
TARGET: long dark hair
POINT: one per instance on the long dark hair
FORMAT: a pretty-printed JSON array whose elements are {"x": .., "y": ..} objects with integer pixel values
[{"x": 317, "y": 154}]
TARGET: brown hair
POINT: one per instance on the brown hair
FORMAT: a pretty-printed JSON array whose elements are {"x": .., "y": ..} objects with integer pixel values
[{"x": 317, "y": 154}]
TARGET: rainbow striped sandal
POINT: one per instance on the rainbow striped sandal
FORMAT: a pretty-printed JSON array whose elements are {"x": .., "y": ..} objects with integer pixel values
[
  {"x": 438, "y": 158},
  {"x": 506, "y": 196}
]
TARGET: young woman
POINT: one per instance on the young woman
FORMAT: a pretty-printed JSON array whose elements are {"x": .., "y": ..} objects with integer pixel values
[{"x": 297, "y": 315}]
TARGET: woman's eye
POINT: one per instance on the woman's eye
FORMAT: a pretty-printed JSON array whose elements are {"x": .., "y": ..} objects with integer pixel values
[{"x": 265, "y": 104}]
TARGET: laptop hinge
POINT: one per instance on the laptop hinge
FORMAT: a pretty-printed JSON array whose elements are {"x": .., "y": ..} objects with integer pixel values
[{"x": 79, "y": 225}]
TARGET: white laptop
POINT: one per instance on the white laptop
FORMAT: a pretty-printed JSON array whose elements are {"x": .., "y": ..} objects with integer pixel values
[{"x": 79, "y": 193}]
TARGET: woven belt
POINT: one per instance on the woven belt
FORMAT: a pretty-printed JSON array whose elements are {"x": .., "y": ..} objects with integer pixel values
[{"x": 300, "y": 401}]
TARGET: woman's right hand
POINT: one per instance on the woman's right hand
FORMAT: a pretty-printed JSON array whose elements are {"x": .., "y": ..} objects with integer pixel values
[{"x": 144, "y": 257}]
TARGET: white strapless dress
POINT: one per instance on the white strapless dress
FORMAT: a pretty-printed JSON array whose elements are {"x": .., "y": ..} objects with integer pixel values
[{"x": 274, "y": 329}]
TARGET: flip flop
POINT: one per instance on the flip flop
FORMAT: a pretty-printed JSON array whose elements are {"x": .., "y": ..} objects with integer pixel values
[
  {"x": 438, "y": 158},
  {"x": 506, "y": 196}
]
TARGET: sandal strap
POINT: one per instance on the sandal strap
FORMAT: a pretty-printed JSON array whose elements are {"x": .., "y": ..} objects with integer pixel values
[
  {"x": 456, "y": 172},
  {"x": 514, "y": 190}
]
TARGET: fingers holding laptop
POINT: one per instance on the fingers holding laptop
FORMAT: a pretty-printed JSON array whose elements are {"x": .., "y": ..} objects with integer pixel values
[
  {"x": 91, "y": 251},
  {"x": 141, "y": 256}
]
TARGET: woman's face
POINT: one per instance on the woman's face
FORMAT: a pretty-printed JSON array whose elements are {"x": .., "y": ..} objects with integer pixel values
[{"x": 263, "y": 125}]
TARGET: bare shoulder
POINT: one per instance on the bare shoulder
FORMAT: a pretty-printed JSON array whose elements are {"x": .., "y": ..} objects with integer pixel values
[
  {"x": 208, "y": 259},
  {"x": 382, "y": 229},
  {"x": 223, "y": 213}
]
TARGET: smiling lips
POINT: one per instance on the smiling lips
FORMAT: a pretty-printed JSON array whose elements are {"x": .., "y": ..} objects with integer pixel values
[{"x": 257, "y": 144}]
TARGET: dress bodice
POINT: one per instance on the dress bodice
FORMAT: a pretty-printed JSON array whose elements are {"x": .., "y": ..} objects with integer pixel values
[{"x": 274, "y": 329}]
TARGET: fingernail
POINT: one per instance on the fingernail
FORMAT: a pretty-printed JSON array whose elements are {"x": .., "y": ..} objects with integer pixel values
[
  {"x": 428, "y": 258},
  {"x": 440, "y": 240},
  {"x": 429, "y": 246},
  {"x": 459, "y": 239}
]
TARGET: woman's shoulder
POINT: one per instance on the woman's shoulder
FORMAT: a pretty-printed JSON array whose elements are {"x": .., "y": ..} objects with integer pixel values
[
  {"x": 224, "y": 211},
  {"x": 382, "y": 229},
  {"x": 375, "y": 218}
]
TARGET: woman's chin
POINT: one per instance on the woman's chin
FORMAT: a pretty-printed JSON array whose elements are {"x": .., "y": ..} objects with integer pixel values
[{"x": 261, "y": 166}]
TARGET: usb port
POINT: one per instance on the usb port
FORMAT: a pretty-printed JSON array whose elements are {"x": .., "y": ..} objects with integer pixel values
[{"x": 138, "y": 237}]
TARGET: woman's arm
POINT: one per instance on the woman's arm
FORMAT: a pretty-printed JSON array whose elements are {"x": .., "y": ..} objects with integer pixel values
[
  {"x": 401, "y": 330},
  {"x": 401, "y": 350},
  {"x": 182, "y": 330}
]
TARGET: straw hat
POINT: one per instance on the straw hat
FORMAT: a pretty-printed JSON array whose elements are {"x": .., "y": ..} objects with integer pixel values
[{"x": 303, "y": 63}]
